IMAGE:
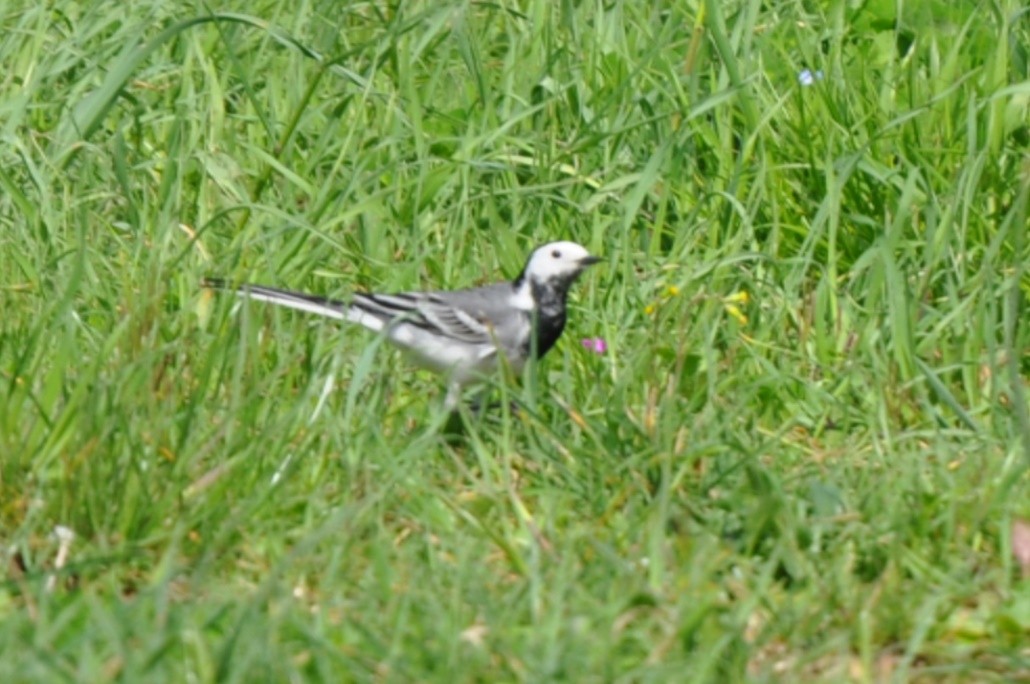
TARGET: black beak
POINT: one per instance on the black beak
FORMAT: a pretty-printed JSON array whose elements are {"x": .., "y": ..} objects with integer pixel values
[{"x": 589, "y": 261}]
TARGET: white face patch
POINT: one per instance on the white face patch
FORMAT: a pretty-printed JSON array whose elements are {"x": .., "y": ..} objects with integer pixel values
[
  {"x": 557, "y": 260},
  {"x": 523, "y": 297}
]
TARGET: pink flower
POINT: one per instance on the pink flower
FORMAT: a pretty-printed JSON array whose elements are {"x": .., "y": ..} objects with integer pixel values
[{"x": 595, "y": 344}]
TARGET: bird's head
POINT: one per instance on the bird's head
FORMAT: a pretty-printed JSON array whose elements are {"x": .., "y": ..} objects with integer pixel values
[{"x": 557, "y": 264}]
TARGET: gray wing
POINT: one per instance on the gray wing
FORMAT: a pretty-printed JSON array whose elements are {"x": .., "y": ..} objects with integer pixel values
[{"x": 481, "y": 316}]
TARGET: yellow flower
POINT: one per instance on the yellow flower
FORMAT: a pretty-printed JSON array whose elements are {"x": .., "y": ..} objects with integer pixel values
[
  {"x": 741, "y": 297},
  {"x": 672, "y": 291},
  {"x": 649, "y": 309},
  {"x": 732, "y": 310}
]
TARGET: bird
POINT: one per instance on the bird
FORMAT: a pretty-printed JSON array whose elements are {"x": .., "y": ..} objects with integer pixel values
[{"x": 464, "y": 335}]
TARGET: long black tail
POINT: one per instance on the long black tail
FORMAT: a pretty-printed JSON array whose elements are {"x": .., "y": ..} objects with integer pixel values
[{"x": 323, "y": 306}]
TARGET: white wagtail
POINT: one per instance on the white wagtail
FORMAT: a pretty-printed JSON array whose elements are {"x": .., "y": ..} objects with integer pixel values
[{"x": 463, "y": 334}]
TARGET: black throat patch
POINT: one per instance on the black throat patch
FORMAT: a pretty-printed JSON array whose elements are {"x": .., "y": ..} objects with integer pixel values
[{"x": 550, "y": 300}]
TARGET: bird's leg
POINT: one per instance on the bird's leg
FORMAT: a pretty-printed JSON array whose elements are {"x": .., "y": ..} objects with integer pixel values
[{"x": 453, "y": 398}]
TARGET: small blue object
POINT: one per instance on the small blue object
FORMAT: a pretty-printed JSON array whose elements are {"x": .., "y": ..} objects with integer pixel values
[{"x": 807, "y": 77}]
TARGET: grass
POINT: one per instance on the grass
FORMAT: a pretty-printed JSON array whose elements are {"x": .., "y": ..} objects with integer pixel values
[{"x": 800, "y": 459}]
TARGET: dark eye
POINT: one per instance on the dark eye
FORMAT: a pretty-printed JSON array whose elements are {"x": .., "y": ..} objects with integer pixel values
[{"x": 556, "y": 254}]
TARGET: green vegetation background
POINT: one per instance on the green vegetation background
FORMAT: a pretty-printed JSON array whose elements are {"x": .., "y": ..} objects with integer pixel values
[{"x": 801, "y": 459}]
